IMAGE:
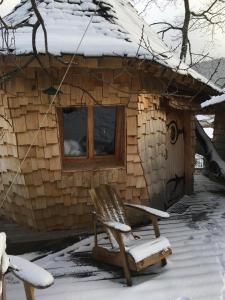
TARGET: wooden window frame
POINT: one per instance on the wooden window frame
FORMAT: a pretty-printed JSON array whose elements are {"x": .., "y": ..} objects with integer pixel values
[{"x": 71, "y": 162}]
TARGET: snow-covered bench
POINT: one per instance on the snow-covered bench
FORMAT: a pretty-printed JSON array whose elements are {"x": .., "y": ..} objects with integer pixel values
[{"x": 32, "y": 275}]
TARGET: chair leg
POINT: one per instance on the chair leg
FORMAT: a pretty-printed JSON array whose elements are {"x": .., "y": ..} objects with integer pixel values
[
  {"x": 164, "y": 262},
  {"x": 123, "y": 254},
  {"x": 3, "y": 295},
  {"x": 29, "y": 291},
  {"x": 127, "y": 272}
]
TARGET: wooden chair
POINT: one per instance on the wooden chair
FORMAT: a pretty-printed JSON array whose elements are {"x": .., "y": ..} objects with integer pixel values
[
  {"x": 126, "y": 250},
  {"x": 29, "y": 273}
]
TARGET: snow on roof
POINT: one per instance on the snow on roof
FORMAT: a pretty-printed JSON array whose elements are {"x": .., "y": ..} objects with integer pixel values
[
  {"x": 115, "y": 30},
  {"x": 206, "y": 118},
  {"x": 213, "y": 100}
]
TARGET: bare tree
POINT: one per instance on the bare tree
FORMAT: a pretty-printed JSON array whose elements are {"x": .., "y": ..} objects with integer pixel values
[{"x": 209, "y": 17}]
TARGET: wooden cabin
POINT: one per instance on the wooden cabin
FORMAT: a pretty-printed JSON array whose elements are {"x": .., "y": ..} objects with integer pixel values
[{"x": 123, "y": 114}]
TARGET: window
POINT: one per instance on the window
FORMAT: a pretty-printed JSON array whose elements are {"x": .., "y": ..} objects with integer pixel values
[{"x": 92, "y": 134}]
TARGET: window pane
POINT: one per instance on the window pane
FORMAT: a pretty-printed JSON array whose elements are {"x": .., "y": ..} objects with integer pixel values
[
  {"x": 75, "y": 130},
  {"x": 104, "y": 130}
]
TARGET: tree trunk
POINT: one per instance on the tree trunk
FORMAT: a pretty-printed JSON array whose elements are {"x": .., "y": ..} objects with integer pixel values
[{"x": 185, "y": 29}]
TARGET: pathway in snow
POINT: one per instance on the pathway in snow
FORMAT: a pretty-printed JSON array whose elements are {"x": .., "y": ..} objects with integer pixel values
[{"x": 195, "y": 271}]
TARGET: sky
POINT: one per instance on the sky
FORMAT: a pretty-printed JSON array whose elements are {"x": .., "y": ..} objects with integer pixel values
[
  {"x": 7, "y": 6},
  {"x": 199, "y": 41}
]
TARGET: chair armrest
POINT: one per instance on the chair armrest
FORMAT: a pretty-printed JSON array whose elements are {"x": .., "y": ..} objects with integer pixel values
[
  {"x": 30, "y": 273},
  {"x": 149, "y": 210},
  {"x": 120, "y": 227}
]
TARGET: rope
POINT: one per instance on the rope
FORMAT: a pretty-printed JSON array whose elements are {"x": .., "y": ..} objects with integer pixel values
[{"x": 48, "y": 110}]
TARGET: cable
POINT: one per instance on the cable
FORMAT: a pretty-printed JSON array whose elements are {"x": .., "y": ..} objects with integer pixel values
[{"x": 48, "y": 110}]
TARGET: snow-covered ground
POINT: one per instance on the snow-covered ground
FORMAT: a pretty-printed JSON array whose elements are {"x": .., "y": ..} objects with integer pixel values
[
  {"x": 207, "y": 123},
  {"x": 195, "y": 271}
]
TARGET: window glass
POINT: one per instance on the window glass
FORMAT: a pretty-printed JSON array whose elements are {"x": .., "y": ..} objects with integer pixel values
[
  {"x": 75, "y": 131},
  {"x": 104, "y": 130}
]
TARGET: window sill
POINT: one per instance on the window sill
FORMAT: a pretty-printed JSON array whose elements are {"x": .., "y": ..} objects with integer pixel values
[{"x": 73, "y": 166}]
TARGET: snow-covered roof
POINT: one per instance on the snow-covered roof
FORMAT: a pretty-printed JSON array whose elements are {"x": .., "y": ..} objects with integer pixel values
[
  {"x": 115, "y": 29},
  {"x": 213, "y": 100}
]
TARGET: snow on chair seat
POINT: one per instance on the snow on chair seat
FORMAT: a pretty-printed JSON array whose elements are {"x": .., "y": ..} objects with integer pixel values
[
  {"x": 30, "y": 272},
  {"x": 146, "y": 249}
]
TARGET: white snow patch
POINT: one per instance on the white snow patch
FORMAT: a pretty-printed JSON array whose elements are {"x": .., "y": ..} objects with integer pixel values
[
  {"x": 213, "y": 100},
  {"x": 150, "y": 210},
  {"x": 209, "y": 132},
  {"x": 30, "y": 272},
  {"x": 142, "y": 250},
  {"x": 4, "y": 260},
  {"x": 206, "y": 118},
  {"x": 118, "y": 226}
]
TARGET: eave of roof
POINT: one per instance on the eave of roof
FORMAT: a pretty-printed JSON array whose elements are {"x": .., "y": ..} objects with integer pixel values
[{"x": 114, "y": 29}]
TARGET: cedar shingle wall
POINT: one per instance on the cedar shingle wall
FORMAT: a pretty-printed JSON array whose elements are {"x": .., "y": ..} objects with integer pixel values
[
  {"x": 57, "y": 198},
  {"x": 17, "y": 208},
  {"x": 152, "y": 146}
]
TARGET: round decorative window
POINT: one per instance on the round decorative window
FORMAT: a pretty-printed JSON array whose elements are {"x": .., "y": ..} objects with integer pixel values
[{"x": 173, "y": 132}]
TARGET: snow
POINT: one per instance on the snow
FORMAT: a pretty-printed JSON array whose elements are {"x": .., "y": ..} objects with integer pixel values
[
  {"x": 211, "y": 152},
  {"x": 4, "y": 260},
  {"x": 150, "y": 210},
  {"x": 208, "y": 119},
  {"x": 209, "y": 132},
  {"x": 140, "y": 251},
  {"x": 2, "y": 243},
  {"x": 118, "y": 226},
  {"x": 114, "y": 31},
  {"x": 30, "y": 272},
  {"x": 213, "y": 100},
  {"x": 195, "y": 270},
  {"x": 207, "y": 123}
]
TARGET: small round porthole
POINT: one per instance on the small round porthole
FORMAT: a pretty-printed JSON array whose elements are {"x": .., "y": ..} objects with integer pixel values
[{"x": 173, "y": 132}]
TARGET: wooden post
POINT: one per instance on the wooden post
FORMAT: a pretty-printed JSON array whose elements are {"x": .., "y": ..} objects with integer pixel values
[{"x": 29, "y": 291}]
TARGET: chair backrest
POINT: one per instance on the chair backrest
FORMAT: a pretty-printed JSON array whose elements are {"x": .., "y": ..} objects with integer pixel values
[
  {"x": 109, "y": 207},
  {"x": 108, "y": 204}
]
